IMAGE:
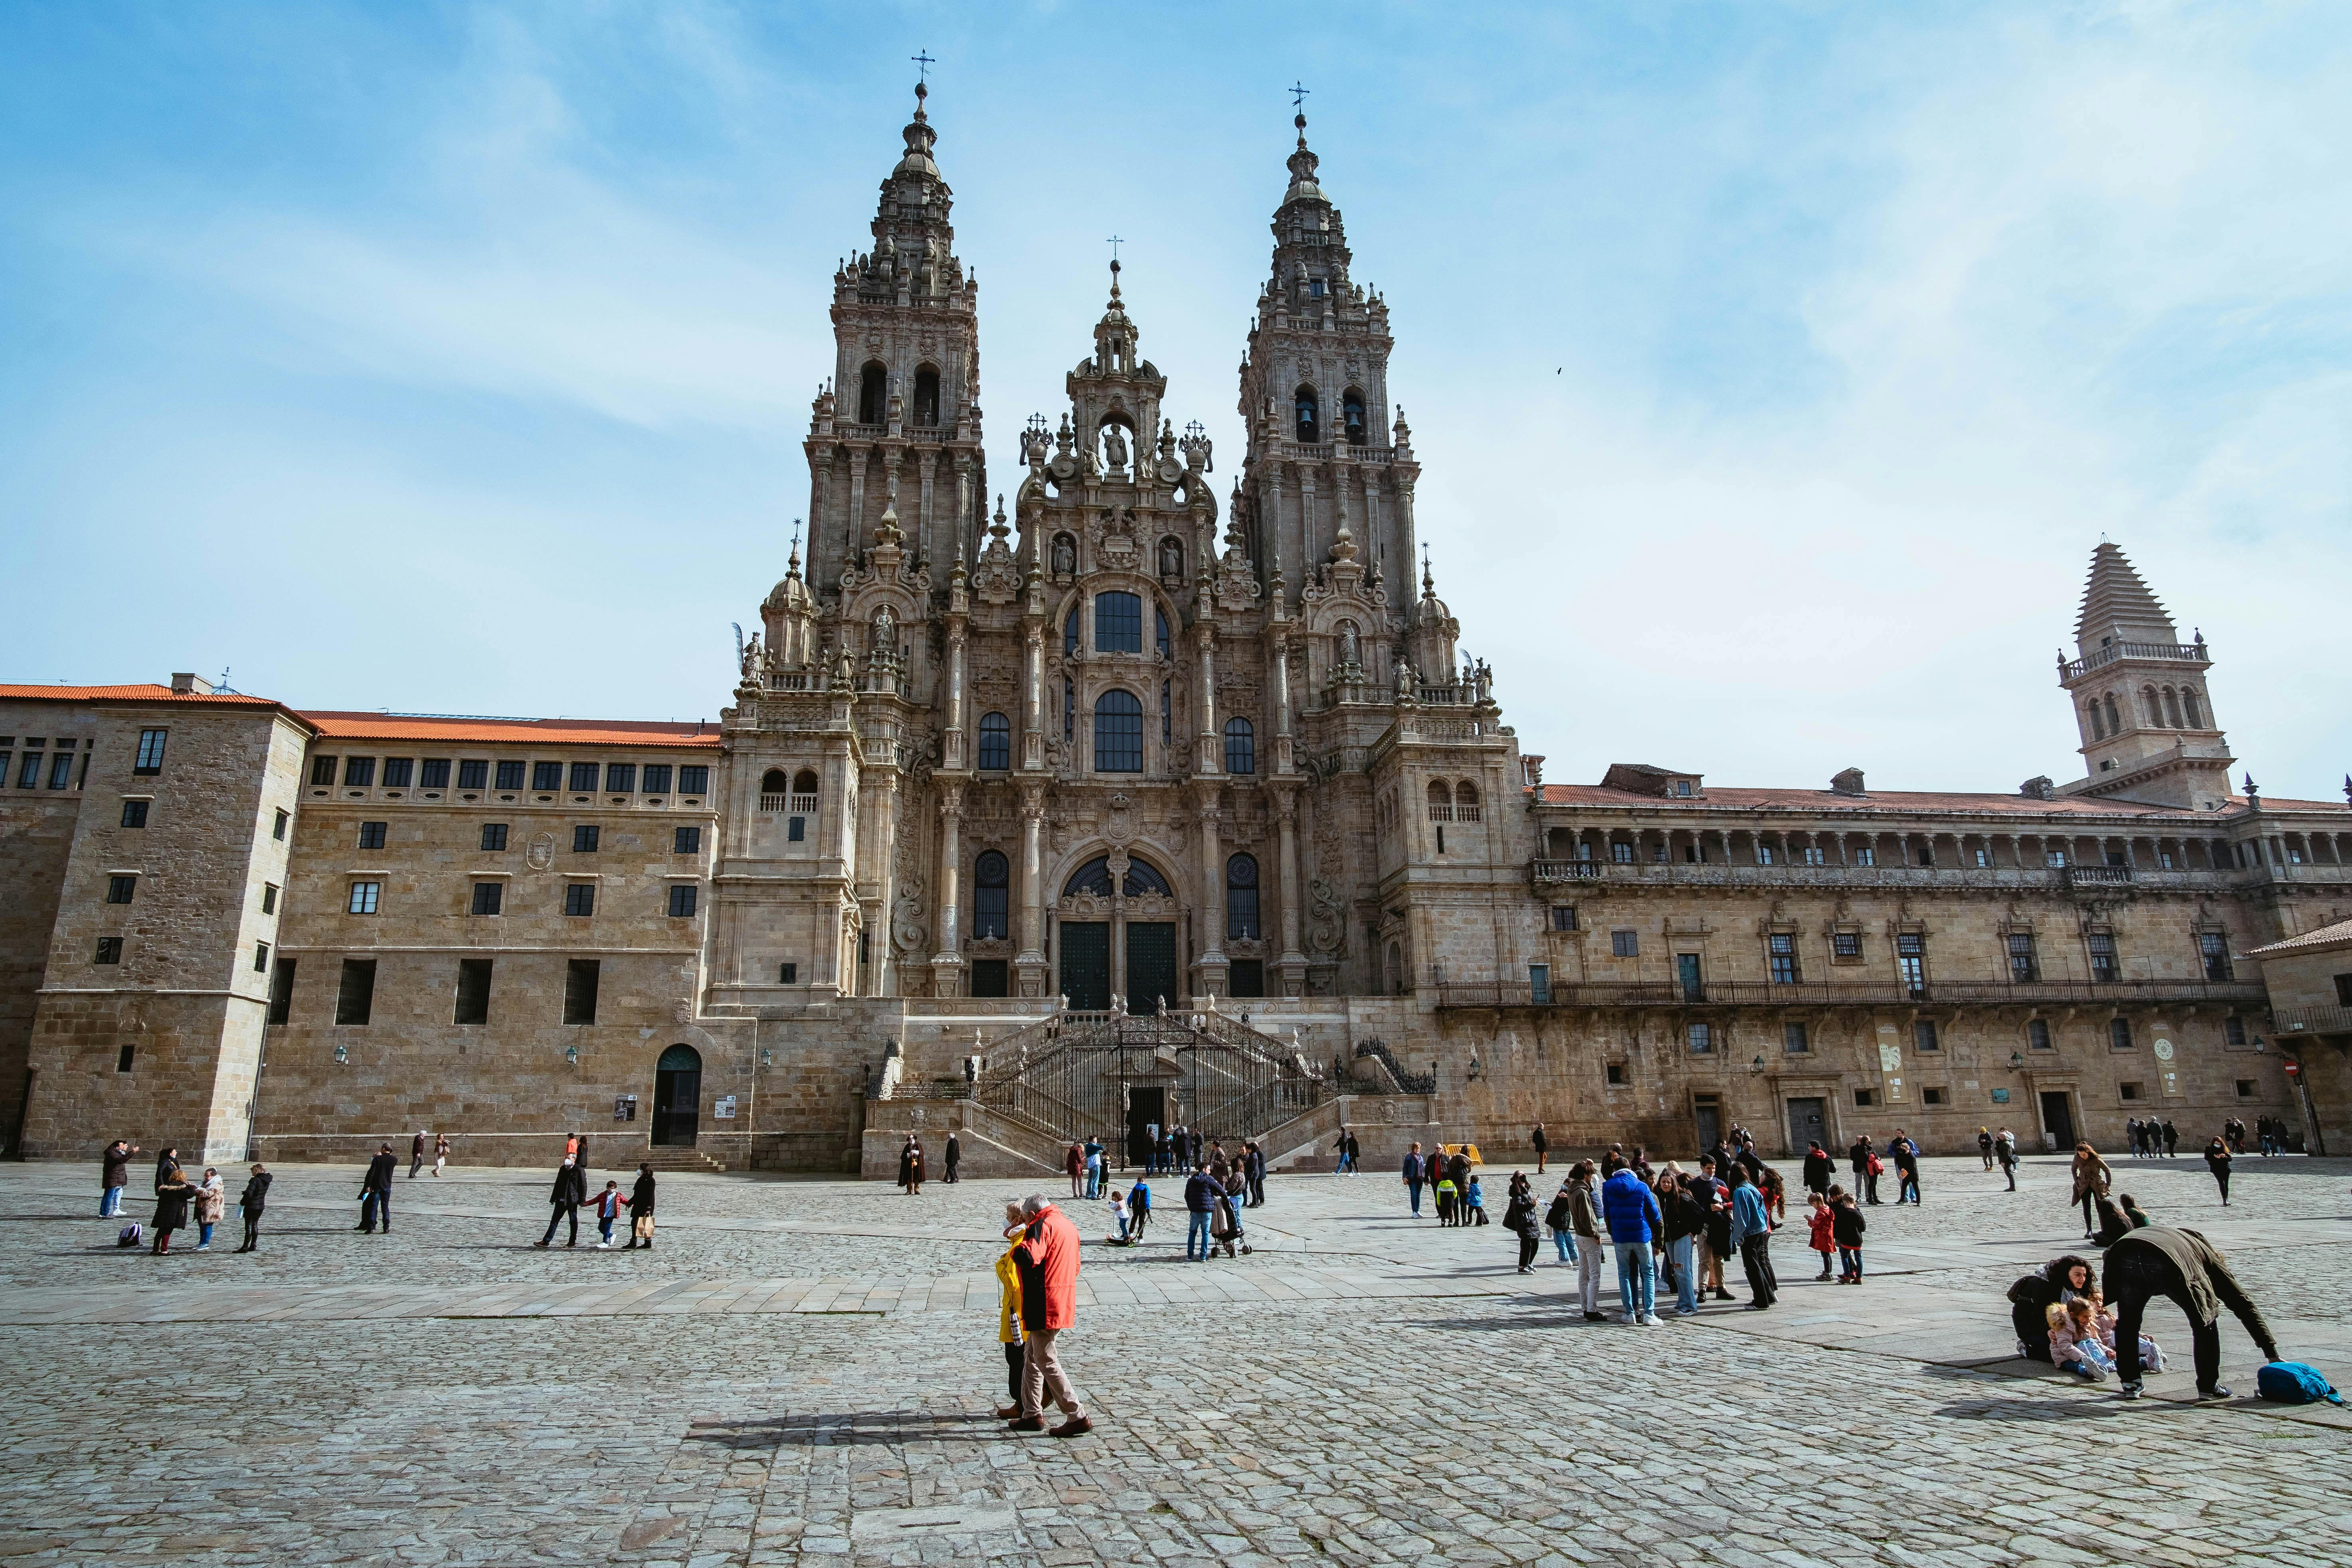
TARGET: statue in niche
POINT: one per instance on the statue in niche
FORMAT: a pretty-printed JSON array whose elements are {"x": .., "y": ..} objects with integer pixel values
[
  {"x": 1066, "y": 556},
  {"x": 884, "y": 632},
  {"x": 1403, "y": 678},
  {"x": 1171, "y": 558},
  {"x": 1114, "y": 446},
  {"x": 1351, "y": 652}
]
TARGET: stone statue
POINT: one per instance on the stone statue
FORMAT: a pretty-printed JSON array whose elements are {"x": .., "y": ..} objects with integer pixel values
[
  {"x": 884, "y": 632},
  {"x": 1403, "y": 680},
  {"x": 1114, "y": 446},
  {"x": 751, "y": 660},
  {"x": 1351, "y": 652},
  {"x": 1171, "y": 558},
  {"x": 1485, "y": 680},
  {"x": 1066, "y": 556}
]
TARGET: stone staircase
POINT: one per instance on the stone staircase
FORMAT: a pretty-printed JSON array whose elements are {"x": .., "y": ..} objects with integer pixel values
[{"x": 680, "y": 1157}]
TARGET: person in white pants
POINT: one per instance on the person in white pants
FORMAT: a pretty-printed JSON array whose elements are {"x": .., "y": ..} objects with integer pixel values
[{"x": 1584, "y": 1221}]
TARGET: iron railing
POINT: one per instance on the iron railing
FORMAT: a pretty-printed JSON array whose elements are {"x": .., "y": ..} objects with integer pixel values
[
  {"x": 1076, "y": 1074},
  {"x": 1831, "y": 993}
]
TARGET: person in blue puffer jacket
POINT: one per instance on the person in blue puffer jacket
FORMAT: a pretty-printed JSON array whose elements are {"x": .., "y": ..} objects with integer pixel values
[{"x": 1631, "y": 1212}]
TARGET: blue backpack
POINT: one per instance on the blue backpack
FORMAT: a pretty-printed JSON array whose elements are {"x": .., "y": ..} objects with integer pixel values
[{"x": 2291, "y": 1383}]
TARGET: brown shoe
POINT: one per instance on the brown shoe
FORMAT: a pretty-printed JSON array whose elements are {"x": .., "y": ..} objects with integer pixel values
[
  {"x": 1027, "y": 1424},
  {"x": 1075, "y": 1427},
  {"x": 1008, "y": 1413}
]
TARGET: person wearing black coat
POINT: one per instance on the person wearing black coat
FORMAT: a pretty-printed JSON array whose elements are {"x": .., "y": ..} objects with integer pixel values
[
  {"x": 1519, "y": 1219},
  {"x": 1817, "y": 1167},
  {"x": 375, "y": 1191},
  {"x": 641, "y": 1208},
  {"x": 954, "y": 1157},
  {"x": 172, "y": 1195},
  {"x": 249, "y": 1203},
  {"x": 571, "y": 1192},
  {"x": 2185, "y": 1268}
]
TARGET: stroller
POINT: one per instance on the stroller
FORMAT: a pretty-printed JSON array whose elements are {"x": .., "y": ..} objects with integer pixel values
[{"x": 1225, "y": 1229}]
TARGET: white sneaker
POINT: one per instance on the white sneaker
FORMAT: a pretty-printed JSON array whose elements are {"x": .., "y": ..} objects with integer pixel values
[
  {"x": 1651, "y": 1321},
  {"x": 1628, "y": 1320},
  {"x": 602, "y": 1245}
]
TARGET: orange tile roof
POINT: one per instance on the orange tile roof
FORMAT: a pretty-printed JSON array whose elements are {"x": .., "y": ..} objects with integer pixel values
[
  {"x": 2335, "y": 935},
  {"x": 1831, "y": 801},
  {"x": 148, "y": 692},
  {"x": 453, "y": 729}
]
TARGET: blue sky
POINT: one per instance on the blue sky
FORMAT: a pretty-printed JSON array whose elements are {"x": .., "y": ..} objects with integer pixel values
[{"x": 1774, "y": 368}]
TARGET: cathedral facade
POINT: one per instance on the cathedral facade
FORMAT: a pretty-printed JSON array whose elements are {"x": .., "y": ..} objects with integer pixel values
[{"x": 1096, "y": 746}]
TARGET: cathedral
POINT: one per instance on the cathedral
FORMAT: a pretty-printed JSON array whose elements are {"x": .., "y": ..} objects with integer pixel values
[{"x": 1093, "y": 801}]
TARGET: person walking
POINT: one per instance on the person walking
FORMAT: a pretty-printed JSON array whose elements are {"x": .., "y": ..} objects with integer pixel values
[
  {"x": 2091, "y": 1182},
  {"x": 2216, "y": 1160},
  {"x": 1907, "y": 1167},
  {"x": 1584, "y": 1220},
  {"x": 1751, "y": 1233},
  {"x": 1847, "y": 1225},
  {"x": 249, "y": 1204},
  {"x": 1201, "y": 1190},
  {"x": 953, "y": 1154},
  {"x": 1540, "y": 1143},
  {"x": 1519, "y": 1219},
  {"x": 1414, "y": 1170},
  {"x": 1865, "y": 1160},
  {"x": 1340, "y": 1153},
  {"x": 1047, "y": 1259},
  {"x": 2171, "y": 1139},
  {"x": 641, "y": 1209},
  {"x": 376, "y": 1190},
  {"x": 608, "y": 1209},
  {"x": 571, "y": 1191},
  {"x": 417, "y": 1154},
  {"x": 115, "y": 1175},
  {"x": 440, "y": 1153},
  {"x": 1634, "y": 1221},
  {"x": 1355, "y": 1154},
  {"x": 172, "y": 1195},
  {"x": 1008, "y": 1311},
  {"x": 1256, "y": 1176},
  {"x": 211, "y": 1201},
  {"x": 2004, "y": 1150},
  {"x": 1819, "y": 1165},
  {"x": 1984, "y": 1145},
  {"x": 2183, "y": 1268}
]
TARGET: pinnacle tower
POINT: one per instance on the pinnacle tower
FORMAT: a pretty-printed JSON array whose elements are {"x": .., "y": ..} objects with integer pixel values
[{"x": 2139, "y": 695}]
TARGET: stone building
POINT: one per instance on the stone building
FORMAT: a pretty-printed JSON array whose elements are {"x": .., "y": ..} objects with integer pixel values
[{"x": 1104, "y": 801}]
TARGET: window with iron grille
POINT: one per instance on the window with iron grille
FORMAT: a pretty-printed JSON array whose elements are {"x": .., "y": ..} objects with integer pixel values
[
  {"x": 2024, "y": 969},
  {"x": 1795, "y": 1040},
  {"x": 2214, "y": 947},
  {"x": 1923, "y": 1036},
  {"x": 1241, "y": 897},
  {"x": 2037, "y": 1033},
  {"x": 2119, "y": 1034},
  {"x": 2103, "y": 957},
  {"x": 991, "y": 895},
  {"x": 1784, "y": 958}
]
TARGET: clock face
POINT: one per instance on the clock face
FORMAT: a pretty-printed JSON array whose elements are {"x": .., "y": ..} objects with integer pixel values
[{"x": 2164, "y": 1050}]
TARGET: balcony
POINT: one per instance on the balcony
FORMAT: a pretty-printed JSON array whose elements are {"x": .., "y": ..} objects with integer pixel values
[
  {"x": 1850, "y": 994},
  {"x": 2185, "y": 653},
  {"x": 2312, "y": 1020},
  {"x": 2098, "y": 876},
  {"x": 1544, "y": 873}
]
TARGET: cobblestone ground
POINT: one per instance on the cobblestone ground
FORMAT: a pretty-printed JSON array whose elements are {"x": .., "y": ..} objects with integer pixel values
[{"x": 804, "y": 1371}]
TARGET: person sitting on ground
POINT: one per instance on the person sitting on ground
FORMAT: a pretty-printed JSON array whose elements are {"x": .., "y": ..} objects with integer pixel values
[
  {"x": 2031, "y": 1298},
  {"x": 2074, "y": 1341},
  {"x": 2151, "y": 1356},
  {"x": 2114, "y": 1223},
  {"x": 2133, "y": 1212}
]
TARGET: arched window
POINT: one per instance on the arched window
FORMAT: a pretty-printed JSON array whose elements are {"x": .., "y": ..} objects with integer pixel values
[
  {"x": 1309, "y": 427},
  {"x": 1160, "y": 630},
  {"x": 2189, "y": 706},
  {"x": 2098, "y": 724},
  {"x": 2115, "y": 716},
  {"x": 1351, "y": 413},
  {"x": 1141, "y": 880},
  {"x": 2172, "y": 708},
  {"x": 995, "y": 740},
  {"x": 1070, "y": 634},
  {"x": 804, "y": 791},
  {"x": 873, "y": 393},
  {"x": 1118, "y": 733},
  {"x": 1396, "y": 968},
  {"x": 991, "y": 896},
  {"x": 1094, "y": 877},
  {"x": 772, "y": 790},
  {"x": 1440, "y": 794},
  {"x": 1466, "y": 793},
  {"x": 1241, "y": 897},
  {"x": 2151, "y": 707},
  {"x": 927, "y": 396},
  {"x": 1241, "y": 747},
  {"x": 1118, "y": 623}
]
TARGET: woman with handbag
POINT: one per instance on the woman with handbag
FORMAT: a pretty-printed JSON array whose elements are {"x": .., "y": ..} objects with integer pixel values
[{"x": 2091, "y": 1182}]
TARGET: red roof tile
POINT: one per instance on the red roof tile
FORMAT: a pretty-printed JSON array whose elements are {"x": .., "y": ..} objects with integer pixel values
[
  {"x": 1723, "y": 799},
  {"x": 145, "y": 692},
  {"x": 668, "y": 734},
  {"x": 2328, "y": 936}
]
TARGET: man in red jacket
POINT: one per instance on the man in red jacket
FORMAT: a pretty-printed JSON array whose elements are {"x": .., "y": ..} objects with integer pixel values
[{"x": 1048, "y": 1260}]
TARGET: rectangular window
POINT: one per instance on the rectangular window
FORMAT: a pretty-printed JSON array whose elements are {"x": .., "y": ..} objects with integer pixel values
[
  {"x": 510, "y": 775},
  {"x": 150, "y": 752},
  {"x": 1540, "y": 983},
  {"x": 2214, "y": 947},
  {"x": 580, "y": 898},
  {"x": 2234, "y": 1031},
  {"x": 546, "y": 775},
  {"x": 110, "y": 949},
  {"x": 2024, "y": 969},
  {"x": 30, "y": 776},
  {"x": 2343, "y": 990},
  {"x": 990, "y": 977},
  {"x": 355, "y": 994},
  {"x": 2055, "y": 858},
  {"x": 1866, "y": 1096},
  {"x": 1686, "y": 971},
  {"x": 1931, "y": 1096},
  {"x": 473, "y": 991},
  {"x": 584, "y": 838},
  {"x": 2037, "y": 1033},
  {"x": 1625, "y": 944},
  {"x": 681, "y": 899},
  {"x": 1784, "y": 958},
  {"x": 1118, "y": 623},
  {"x": 474, "y": 773},
  {"x": 1763, "y": 854},
  {"x": 490, "y": 897},
  {"x": 434, "y": 774},
  {"x": 363, "y": 898},
  {"x": 2245, "y": 1089},
  {"x": 1564, "y": 917},
  {"x": 269, "y": 897},
  {"x": 656, "y": 778},
  {"x": 261, "y": 958},
  {"x": 1621, "y": 853},
  {"x": 398, "y": 772},
  {"x": 119, "y": 889},
  {"x": 1846, "y": 944},
  {"x": 359, "y": 773},
  {"x": 281, "y": 991},
  {"x": 584, "y": 777},
  {"x": 620, "y": 778},
  {"x": 61, "y": 768},
  {"x": 1865, "y": 856},
  {"x": 795, "y": 829},
  {"x": 695, "y": 780},
  {"x": 2103, "y": 957},
  {"x": 1069, "y": 713},
  {"x": 1702, "y": 1039},
  {"x": 1795, "y": 1040},
  {"x": 580, "y": 991},
  {"x": 1911, "y": 954},
  {"x": 2119, "y": 1034},
  {"x": 2130, "y": 1090},
  {"x": 124, "y": 1058},
  {"x": 1984, "y": 858},
  {"x": 1923, "y": 1036},
  {"x": 494, "y": 836},
  {"x": 1168, "y": 732},
  {"x": 686, "y": 841},
  {"x": 372, "y": 834},
  {"x": 278, "y": 830},
  {"x": 1615, "y": 1074},
  {"x": 1810, "y": 856},
  {"x": 134, "y": 814},
  {"x": 790, "y": 973}
]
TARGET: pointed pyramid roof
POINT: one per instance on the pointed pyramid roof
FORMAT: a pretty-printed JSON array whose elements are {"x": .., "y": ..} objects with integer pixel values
[{"x": 2116, "y": 599}]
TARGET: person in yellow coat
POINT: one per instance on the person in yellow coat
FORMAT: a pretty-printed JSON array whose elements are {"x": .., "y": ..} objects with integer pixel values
[{"x": 1008, "y": 1308}]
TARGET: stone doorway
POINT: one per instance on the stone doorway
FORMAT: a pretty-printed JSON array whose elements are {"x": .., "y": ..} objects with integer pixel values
[
  {"x": 1086, "y": 964},
  {"x": 677, "y": 1096},
  {"x": 1150, "y": 967}
]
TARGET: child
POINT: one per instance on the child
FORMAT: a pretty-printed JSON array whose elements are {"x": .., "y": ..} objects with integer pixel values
[
  {"x": 608, "y": 1209},
  {"x": 2074, "y": 1341},
  {"x": 1477, "y": 1200},
  {"x": 211, "y": 1200},
  {"x": 1118, "y": 1217},
  {"x": 1008, "y": 1308},
  {"x": 2151, "y": 1358},
  {"x": 1823, "y": 1225},
  {"x": 1846, "y": 1226},
  {"x": 1138, "y": 1212},
  {"x": 1445, "y": 1200}
]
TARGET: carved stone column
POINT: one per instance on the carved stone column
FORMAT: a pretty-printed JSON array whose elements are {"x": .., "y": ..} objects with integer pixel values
[
  {"x": 1033, "y": 687},
  {"x": 952, "y": 748},
  {"x": 1206, "y": 756},
  {"x": 1293, "y": 961},
  {"x": 1282, "y": 753},
  {"x": 1031, "y": 962},
  {"x": 949, "y": 960},
  {"x": 1213, "y": 964}
]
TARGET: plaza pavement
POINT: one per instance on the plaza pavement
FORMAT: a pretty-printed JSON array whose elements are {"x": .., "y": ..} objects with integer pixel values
[{"x": 804, "y": 1371}]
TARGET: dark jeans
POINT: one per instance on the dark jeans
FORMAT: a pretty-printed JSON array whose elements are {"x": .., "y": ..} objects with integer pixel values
[
  {"x": 2221, "y": 1180},
  {"x": 1756, "y": 1253},
  {"x": 1850, "y": 1262},
  {"x": 562, "y": 1212},
  {"x": 1869, "y": 1187},
  {"x": 2008, "y": 1169},
  {"x": 376, "y": 1204},
  {"x": 1013, "y": 1355},
  {"x": 252, "y": 1230},
  {"x": 1527, "y": 1248},
  {"x": 1910, "y": 1186},
  {"x": 1258, "y": 1191},
  {"x": 2090, "y": 1213},
  {"x": 2134, "y": 1279}
]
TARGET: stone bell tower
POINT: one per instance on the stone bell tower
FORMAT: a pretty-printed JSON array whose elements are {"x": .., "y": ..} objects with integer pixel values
[
  {"x": 898, "y": 424},
  {"x": 2139, "y": 696}
]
